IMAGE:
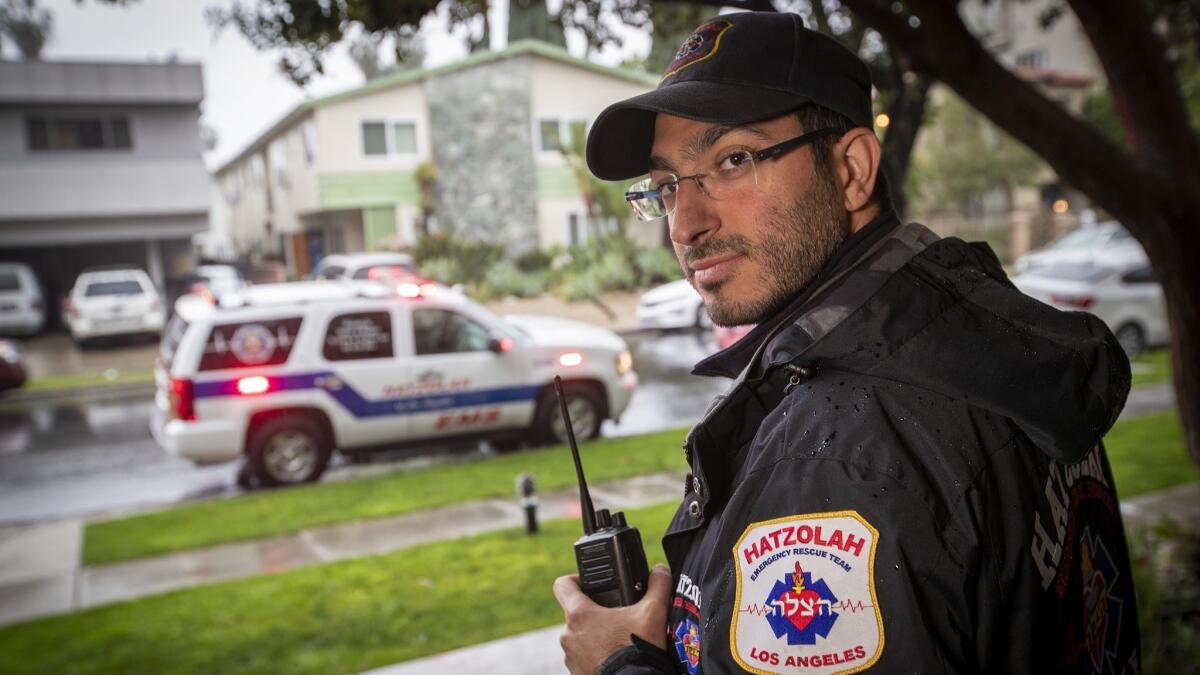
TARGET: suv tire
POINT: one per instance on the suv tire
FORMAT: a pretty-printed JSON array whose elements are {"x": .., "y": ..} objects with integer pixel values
[
  {"x": 583, "y": 403},
  {"x": 288, "y": 450}
]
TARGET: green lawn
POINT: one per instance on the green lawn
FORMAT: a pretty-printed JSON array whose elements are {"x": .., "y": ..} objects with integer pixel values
[
  {"x": 335, "y": 618},
  {"x": 274, "y": 512},
  {"x": 79, "y": 380},
  {"x": 1147, "y": 453},
  {"x": 1152, "y": 367}
]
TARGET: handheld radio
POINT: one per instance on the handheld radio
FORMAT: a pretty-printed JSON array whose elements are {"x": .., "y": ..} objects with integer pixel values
[{"x": 609, "y": 555}]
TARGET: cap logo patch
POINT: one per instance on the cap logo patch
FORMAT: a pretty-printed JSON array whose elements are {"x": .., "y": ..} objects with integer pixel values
[
  {"x": 698, "y": 46},
  {"x": 805, "y": 599}
]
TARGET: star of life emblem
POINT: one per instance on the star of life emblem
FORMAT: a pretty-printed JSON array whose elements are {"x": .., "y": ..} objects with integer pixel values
[{"x": 687, "y": 645}]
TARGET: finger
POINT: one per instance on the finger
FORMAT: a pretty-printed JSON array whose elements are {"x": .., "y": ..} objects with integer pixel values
[
  {"x": 659, "y": 586},
  {"x": 567, "y": 592}
]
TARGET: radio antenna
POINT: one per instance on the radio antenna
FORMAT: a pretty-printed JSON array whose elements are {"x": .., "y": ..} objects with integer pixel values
[{"x": 585, "y": 498}]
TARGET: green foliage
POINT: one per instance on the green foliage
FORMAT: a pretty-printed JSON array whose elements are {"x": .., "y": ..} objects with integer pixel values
[
  {"x": 1152, "y": 367},
  {"x": 468, "y": 263},
  {"x": 967, "y": 159},
  {"x": 656, "y": 266},
  {"x": 1147, "y": 453},
  {"x": 275, "y": 512},
  {"x": 505, "y": 279},
  {"x": 445, "y": 270},
  {"x": 1166, "y": 571},
  {"x": 342, "y": 617}
]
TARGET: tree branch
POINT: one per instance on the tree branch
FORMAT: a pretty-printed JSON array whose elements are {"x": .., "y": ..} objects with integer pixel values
[
  {"x": 1140, "y": 79},
  {"x": 1080, "y": 154}
]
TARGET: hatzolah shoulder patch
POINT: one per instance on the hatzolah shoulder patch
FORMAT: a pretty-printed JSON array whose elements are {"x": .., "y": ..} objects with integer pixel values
[{"x": 806, "y": 595}]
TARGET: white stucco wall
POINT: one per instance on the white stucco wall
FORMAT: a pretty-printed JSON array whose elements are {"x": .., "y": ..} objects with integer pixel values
[{"x": 339, "y": 136}]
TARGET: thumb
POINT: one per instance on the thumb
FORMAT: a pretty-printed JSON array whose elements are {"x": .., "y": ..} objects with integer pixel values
[{"x": 659, "y": 585}]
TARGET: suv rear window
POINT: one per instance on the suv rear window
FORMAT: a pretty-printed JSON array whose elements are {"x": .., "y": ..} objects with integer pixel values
[
  {"x": 9, "y": 281},
  {"x": 247, "y": 345},
  {"x": 129, "y": 287}
]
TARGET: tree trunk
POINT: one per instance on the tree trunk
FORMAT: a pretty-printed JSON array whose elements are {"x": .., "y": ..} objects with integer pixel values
[{"x": 1154, "y": 191}]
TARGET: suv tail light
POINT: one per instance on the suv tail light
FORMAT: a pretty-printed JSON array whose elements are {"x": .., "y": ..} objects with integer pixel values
[
  {"x": 36, "y": 305},
  {"x": 183, "y": 398},
  {"x": 1076, "y": 301}
]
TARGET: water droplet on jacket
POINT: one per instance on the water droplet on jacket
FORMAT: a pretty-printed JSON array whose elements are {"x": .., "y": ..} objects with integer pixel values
[{"x": 836, "y": 407}]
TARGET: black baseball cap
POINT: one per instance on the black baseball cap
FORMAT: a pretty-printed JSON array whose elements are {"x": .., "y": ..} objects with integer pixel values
[{"x": 733, "y": 69}]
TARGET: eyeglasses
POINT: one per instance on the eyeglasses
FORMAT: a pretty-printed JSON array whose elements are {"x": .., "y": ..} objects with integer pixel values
[{"x": 652, "y": 199}]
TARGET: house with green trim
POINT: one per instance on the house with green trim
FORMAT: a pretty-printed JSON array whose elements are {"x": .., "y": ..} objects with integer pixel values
[{"x": 339, "y": 173}]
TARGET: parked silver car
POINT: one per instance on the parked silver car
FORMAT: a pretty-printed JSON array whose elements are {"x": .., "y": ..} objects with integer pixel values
[{"x": 1126, "y": 297}]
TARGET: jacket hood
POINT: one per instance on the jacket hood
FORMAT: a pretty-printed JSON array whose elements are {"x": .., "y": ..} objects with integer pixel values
[{"x": 941, "y": 314}]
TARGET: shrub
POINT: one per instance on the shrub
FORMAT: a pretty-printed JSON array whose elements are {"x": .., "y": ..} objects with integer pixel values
[
  {"x": 1166, "y": 570},
  {"x": 505, "y": 278},
  {"x": 473, "y": 258},
  {"x": 446, "y": 270}
]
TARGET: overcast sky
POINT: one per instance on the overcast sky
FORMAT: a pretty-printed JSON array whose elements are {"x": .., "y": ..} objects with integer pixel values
[{"x": 244, "y": 91}]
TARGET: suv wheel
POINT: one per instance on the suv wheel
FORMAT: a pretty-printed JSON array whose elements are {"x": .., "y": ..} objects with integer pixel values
[
  {"x": 583, "y": 404},
  {"x": 288, "y": 450}
]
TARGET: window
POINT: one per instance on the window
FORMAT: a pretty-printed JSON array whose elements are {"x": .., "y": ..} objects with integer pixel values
[
  {"x": 330, "y": 272},
  {"x": 47, "y": 134},
  {"x": 363, "y": 335},
  {"x": 549, "y": 135},
  {"x": 573, "y": 238},
  {"x": 245, "y": 345},
  {"x": 555, "y": 133},
  {"x": 308, "y": 134},
  {"x": 374, "y": 139},
  {"x": 1140, "y": 275},
  {"x": 405, "y": 137},
  {"x": 9, "y": 281},
  {"x": 1034, "y": 59},
  {"x": 437, "y": 331},
  {"x": 98, "y": 288},
  {"x": 381, "y": 139}
]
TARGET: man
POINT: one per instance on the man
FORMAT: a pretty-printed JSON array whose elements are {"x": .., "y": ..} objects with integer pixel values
[{"x": 906, "y": 474}]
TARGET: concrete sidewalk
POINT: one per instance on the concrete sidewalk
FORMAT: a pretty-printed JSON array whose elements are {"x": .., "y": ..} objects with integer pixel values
[{"x": 40, "y": 576}]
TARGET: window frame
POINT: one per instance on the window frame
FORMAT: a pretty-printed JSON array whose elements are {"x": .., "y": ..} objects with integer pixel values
[
  {"x": 108, "y": 133},
  {"x": 389, "y": 124}
]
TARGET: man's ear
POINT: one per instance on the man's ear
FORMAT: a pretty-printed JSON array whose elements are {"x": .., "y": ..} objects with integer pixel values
[{"x": 857, "y": 154}]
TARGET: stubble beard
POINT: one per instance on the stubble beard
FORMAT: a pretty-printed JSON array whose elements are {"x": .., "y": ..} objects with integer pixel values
[{"x": 800, "y": 237}]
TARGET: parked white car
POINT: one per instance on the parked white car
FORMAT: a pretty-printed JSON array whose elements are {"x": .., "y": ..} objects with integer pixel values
[
  {"x": 286, "y": 373},
  {"x": 1107, "y": 244},
  {"x": 382, "y": 266},
  {"x": 113, "y": 301},
  {"x": 1127, "y": 298},
  {"x": 672, "y": 305},
  {"x": 22, "y": 308}
]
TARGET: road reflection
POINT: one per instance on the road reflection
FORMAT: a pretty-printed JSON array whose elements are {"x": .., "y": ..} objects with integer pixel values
[{"x": 96, "y": 456}]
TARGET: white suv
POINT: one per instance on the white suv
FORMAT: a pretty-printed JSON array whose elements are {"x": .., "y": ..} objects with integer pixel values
[
  {"x": 114, "y": 301},
  {"x": 283, "y": 374}
]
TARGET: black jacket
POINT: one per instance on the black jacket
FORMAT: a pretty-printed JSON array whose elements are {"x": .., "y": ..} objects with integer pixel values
[{"x": 907, "y": 476}]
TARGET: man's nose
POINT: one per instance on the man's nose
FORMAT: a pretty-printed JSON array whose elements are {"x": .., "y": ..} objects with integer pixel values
[{"x": 694, "y": 218}]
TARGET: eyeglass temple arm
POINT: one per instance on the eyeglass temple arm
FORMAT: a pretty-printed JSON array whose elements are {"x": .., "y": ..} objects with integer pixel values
[{"x": 783, "y": 147}]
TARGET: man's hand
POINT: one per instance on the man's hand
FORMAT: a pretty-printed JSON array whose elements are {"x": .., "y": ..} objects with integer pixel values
[{"x": 593, "y": 632}]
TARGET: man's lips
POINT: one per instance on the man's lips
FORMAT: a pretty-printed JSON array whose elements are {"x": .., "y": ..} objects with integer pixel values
[{"x": 712, "y": 270}]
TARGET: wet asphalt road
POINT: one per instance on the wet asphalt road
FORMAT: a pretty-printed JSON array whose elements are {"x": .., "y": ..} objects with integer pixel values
[{"x": 95, "y": 457}]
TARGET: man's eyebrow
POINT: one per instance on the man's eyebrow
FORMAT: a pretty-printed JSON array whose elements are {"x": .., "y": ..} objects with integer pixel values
[{"x": 703, "y": 141}]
